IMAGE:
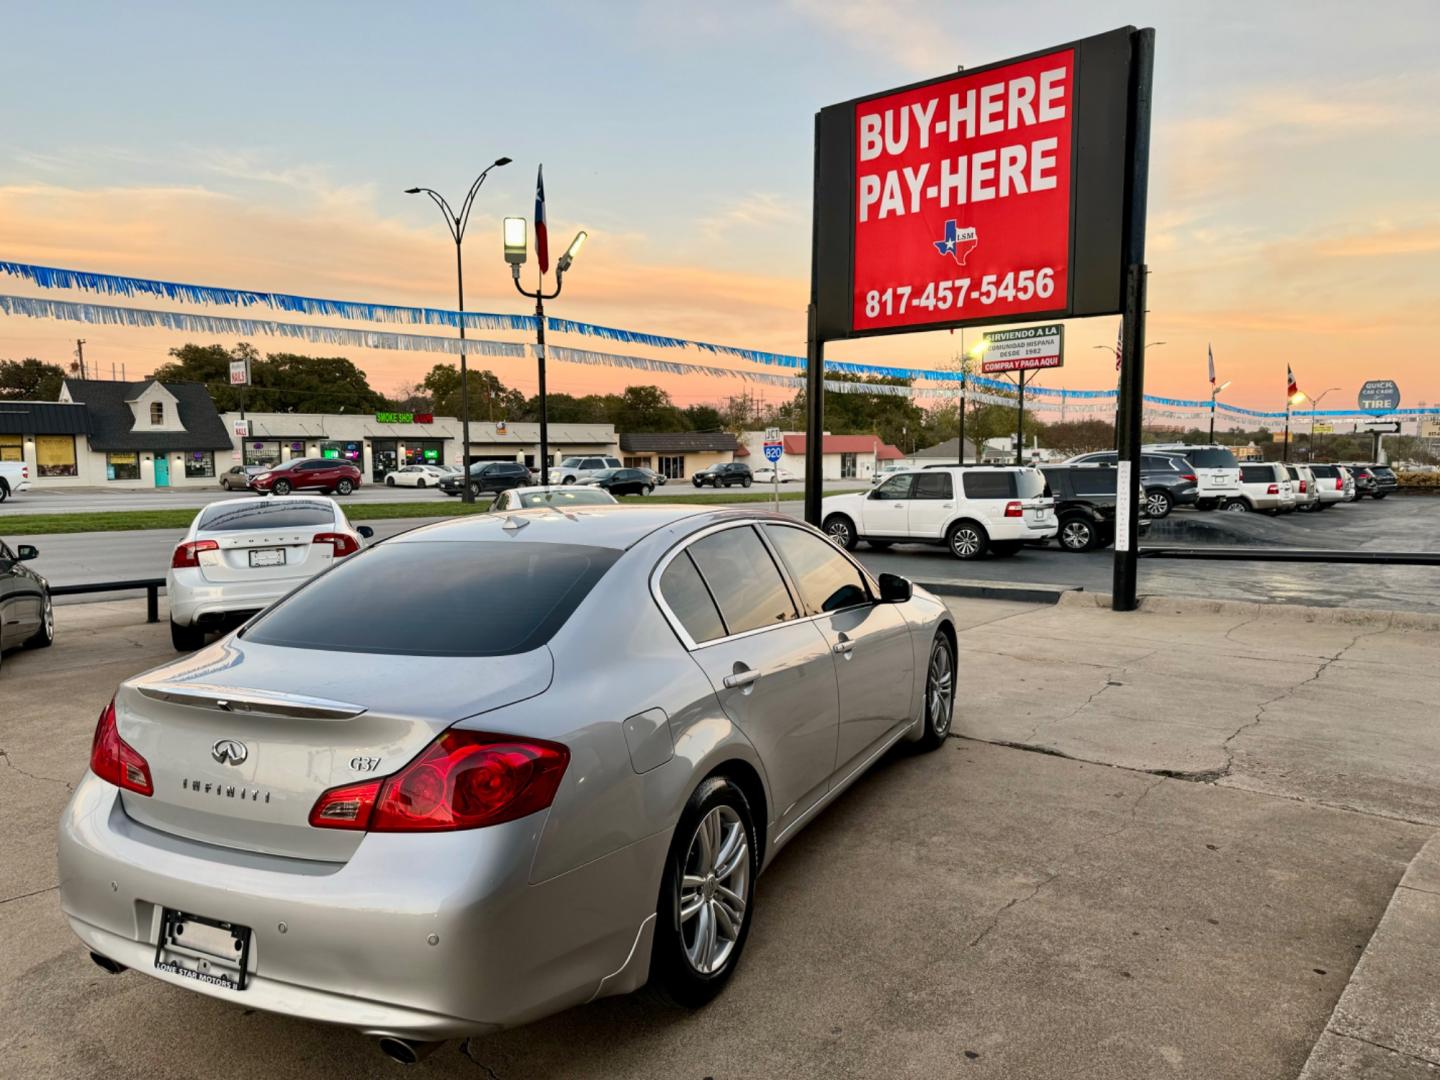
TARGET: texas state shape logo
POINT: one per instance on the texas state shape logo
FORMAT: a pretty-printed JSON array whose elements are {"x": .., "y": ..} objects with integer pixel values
[{"x": 958, "y": 243}]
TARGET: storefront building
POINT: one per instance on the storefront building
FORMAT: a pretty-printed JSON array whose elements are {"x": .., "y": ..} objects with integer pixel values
[{"x": 678, "y": 455}]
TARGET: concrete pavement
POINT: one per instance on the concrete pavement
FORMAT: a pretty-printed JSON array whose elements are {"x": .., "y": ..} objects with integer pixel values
[{"x": 1187, "y": 901}]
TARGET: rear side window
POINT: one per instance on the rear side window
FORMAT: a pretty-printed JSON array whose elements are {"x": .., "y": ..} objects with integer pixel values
[
  {"x": 686, "y": 595},
  {"x": 1323, "y": 470},
  {"x": 1156, "y": 464},
  {"x": 1212, "y": 458},
  {"x": 1257, "y": 474},
  {"x": 744, "y": 580},
  {"x": 992, "y": 485},
  {"x": 933, "y": 485},
  {"x": 430, "y": 598},
  {"x": 267, "y": 514},
  {"x": 828, "y": 581},
  {"x": 1094, "y": 481}
]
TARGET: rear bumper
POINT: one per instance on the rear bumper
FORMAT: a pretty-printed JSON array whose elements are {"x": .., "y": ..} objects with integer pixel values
[
  {"x": 425, "y": 936},
  {"x": 195, "y": 602}
]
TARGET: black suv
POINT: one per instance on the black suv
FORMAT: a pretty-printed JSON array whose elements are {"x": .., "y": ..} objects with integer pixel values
[
  {"x": 1168, "y": 480},
  {"x": 1366, "y": 482},
  {"x": 488, "y": 476},
  {"x": 727, "y": 475},
  {"x": 1085, "y": 505},
  {"x": 1385, "y": 481}
]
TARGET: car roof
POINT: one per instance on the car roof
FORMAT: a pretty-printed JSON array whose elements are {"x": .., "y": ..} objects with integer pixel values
[{"x": 597, "y": 526}]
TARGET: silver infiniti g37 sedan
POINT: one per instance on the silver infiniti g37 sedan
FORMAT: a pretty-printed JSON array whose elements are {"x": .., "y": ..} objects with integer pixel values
[{"x": 496, "y": 767}]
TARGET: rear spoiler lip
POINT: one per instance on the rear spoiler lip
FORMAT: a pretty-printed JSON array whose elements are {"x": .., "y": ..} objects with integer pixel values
[{"x": 223, "y": 699}]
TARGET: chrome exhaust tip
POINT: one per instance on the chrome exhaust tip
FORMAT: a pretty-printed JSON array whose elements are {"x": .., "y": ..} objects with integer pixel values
[
  {"x": 406, "y": 1051},
  {"x": 105, "y": 962}
]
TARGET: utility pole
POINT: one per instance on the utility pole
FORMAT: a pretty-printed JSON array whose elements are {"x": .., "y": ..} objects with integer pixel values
[{"x": 80, "y": 356}]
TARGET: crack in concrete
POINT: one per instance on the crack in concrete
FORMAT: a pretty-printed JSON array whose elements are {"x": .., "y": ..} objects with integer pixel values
[
  {"x": 1382, "y": 1046},
  {"x": 1129, "y": 822},
  {"x": 27, "y": 895},
  {"x": 1111, "y": 677},
  {"x": 466, "y": 1049},
  {"x": 10, "y": 761}
]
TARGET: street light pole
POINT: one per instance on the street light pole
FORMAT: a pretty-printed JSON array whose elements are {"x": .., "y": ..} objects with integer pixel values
[
  {"x": 515, "y": 249},
  {"x": 456, "y": 224},
  {"x": 1315, "y": 404}
]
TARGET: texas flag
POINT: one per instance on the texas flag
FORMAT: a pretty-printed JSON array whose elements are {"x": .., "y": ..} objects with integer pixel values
[
  {"x": 1292, "y": 388},
  {"x": 542, "y": 237},
  {"x": 1210, "y": 353}
]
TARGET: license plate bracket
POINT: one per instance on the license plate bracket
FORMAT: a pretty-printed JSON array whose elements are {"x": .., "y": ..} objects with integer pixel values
[
  {"x": 206, "y": 950},
  {"x": 267, "y": 557}
]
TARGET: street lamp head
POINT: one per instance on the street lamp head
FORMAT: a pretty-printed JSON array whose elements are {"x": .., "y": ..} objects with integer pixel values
[
  {"x": 1223, "y": 385},
  {"x": 412, "y": 191},
  {"x": 501, "y": 161},
  {"x": 515, "y": 241},
  {"x": 1297, "y": 397},
  {"x": 978, "y": 349},
  {"x": 572, "y": 251}
]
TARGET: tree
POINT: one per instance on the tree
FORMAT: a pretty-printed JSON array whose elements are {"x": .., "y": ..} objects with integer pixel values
[
  {"x": 645, "y": 408},
  {"x": 490, "y": 399},
  {"x": 1079, "y": 436},
  {"x": 30, "y": 380},
  {"x": 893, "y": 417},
  {"x": 281, "y": 382},
  {"x": 703, "y": 418}
]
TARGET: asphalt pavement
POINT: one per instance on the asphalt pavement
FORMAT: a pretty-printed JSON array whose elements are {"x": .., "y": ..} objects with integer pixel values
[{"x": 1184, "y": 894}]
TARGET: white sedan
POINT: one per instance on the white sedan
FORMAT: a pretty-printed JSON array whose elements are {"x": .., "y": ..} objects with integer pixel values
[
  {"x": 416, "y": 476},
  {"x": 562, "y": 498},
  {"x": 765, "y": 474},
  {"x": 241, "y": 555}
]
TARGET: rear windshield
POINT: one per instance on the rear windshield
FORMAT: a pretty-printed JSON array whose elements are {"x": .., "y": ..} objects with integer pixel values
[
  {"x": 1382, "y": 470},
  {"x": 1323, "y": 470},
  {"x": 438, "y": 598},
  {"x": 571, "y": 496},
  {"x": 1030, "y": 484},
  {"x": 1212, "y": 458},
  {"x": 266, "y": 514}
]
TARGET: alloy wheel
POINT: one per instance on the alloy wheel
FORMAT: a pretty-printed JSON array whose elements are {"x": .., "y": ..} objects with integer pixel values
[
  {"x": 1076, "y": 536},
  {"x": 839, "y": 532},
  {"x": 1237, "y": 507},
  {"x": 1157, "y": 504},
  {"x": 940, "y": 688},
  {"x": 713, "y": 888},
  {"x": 965, "y": 542}
]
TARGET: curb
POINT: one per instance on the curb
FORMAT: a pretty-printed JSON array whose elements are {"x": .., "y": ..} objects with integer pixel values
[
  {"x": 1385, "y": 1023},
  {"x": 1194, "y": 605},
  {"x": 996, "y": 590}
]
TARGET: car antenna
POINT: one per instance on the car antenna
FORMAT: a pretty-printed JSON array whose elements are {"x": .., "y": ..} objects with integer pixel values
[{"x": 514, "y": 524}]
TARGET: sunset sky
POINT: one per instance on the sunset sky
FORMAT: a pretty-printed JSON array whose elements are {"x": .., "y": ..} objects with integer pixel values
[{"x": 1294, "y": 208}]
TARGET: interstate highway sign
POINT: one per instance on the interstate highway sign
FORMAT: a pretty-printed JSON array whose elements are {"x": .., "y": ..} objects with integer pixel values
[{"x": 774, "y": 451}]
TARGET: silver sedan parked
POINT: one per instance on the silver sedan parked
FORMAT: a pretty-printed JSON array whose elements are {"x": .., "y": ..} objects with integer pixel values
[{"x": 496, "y": 767}]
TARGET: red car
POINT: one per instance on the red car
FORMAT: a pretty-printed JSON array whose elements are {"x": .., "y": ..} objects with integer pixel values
[{"x": 309, "y": 474}]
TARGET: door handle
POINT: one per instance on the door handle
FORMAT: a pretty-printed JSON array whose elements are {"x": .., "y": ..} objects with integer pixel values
[
  {"x": 843, "y": 647},
  {"x": 741, "y": 678}
]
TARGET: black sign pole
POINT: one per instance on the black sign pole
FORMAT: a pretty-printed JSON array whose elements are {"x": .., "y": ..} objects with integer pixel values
[
  {"x": 1132, "y": 371},
  {"x": 1020, "y": 423},
  {"x": 815, "y": 356}
]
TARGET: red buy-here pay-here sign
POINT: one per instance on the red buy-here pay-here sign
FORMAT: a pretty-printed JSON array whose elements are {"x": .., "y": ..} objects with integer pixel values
[{"x": 963, "y": 197}]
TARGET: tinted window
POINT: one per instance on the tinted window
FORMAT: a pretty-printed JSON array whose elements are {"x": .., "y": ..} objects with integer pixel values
[
  {"x": 743, "y": 579},
  {"x": 267, "y": 514},
  {"x": 1257, "y": 474},
  {"x": 828, "y": 581},
  {"x": 1212, "y": 458},
  {"x": 934, "y": 485},
  {"x": 897, "y": 487},
  {"x": 1156, "y": 464},
  {"x": 686, "y": 595},
  {"x": 1093, "y": 481},
  {"x": 421, "y": 599},
  {"x": 991, "y": 485},
  {"x": 1383, "y": 471},
  {"x": 568, "y": 497},
  {"x": 1324, "y": 470}
]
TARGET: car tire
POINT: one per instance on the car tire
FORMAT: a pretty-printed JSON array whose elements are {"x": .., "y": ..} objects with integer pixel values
[
  {"x": 1205, "y": 504},
  {"x": 1158, "y": 504},
  {"x": 967, "y": 540},
  {"x": 4, "y": 491},
  {"x": 939, "y": 694},
  {"x": 1003, "y": 549},
  {"x": 1077, "y": 534},
  {"x": 224, "y": 486},
  {"x": 45, "y": 636},
  {"x": 420, "y": 483},
  {"x": 716, "y": 823},
  {"x": 1379, "y": 495},
  {"x": 344, "y": 487},
  {"x": 389, "y": 481},
  {"x": 746, "y": 482},
  {"x": 281, "y": 487},
  {"x": 1237, "y": 506},
  {"x": 475, "y": 489},
  {"x": 186, "y": 638},
  {"x": 568, "y": 480},
  {"x": 841, "y": 531},
  {"x": 649, "y": 489},
  {"x": 879, "y": 545}
]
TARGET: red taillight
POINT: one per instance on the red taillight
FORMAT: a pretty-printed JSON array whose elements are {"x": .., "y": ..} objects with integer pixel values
[
  {"x": 1273, "y": 489},
  {"x": 1303, "y": 489},
  {"x": 463, "y": 780},
  {"x": 1014, "y": 509},
  {"x": 24, "y": 472},
  {"x": 1189, "y": 478},
  {"x": 115, "y": 760},
  {"x": 343, "y": 543},
  {"x": 188, "y": 553},
  {"x": 1339, "y": 483}
]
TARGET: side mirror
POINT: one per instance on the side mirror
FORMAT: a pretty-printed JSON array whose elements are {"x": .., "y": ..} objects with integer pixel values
[
  {"x": 365, "y": 530},
  {"x": 26, "y": 552},
  {"x": 895, "y": 589}
]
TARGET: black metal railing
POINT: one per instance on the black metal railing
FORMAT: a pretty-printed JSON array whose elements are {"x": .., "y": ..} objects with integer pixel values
[
  {"x": 152, "y": 587},
  {"x": 1222, "y": 553}
]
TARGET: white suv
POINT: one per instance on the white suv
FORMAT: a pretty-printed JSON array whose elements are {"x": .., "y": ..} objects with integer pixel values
[
  {"x": 1265, "y": 487},
  {"x": 970, "y": 510},
  {"x": 1217, "y": 473},
  {"x": 572, "y": 469}
]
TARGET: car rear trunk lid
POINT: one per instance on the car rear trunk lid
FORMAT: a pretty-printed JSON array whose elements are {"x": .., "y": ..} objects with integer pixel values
[{"x": 242, "y": 738}]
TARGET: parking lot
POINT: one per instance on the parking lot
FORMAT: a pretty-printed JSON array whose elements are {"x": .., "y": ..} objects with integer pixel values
[{"x": 1179, "y": 884}]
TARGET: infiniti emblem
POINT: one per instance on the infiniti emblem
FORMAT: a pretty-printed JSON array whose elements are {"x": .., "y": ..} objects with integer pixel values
[{"x": 229, "y": 752}]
